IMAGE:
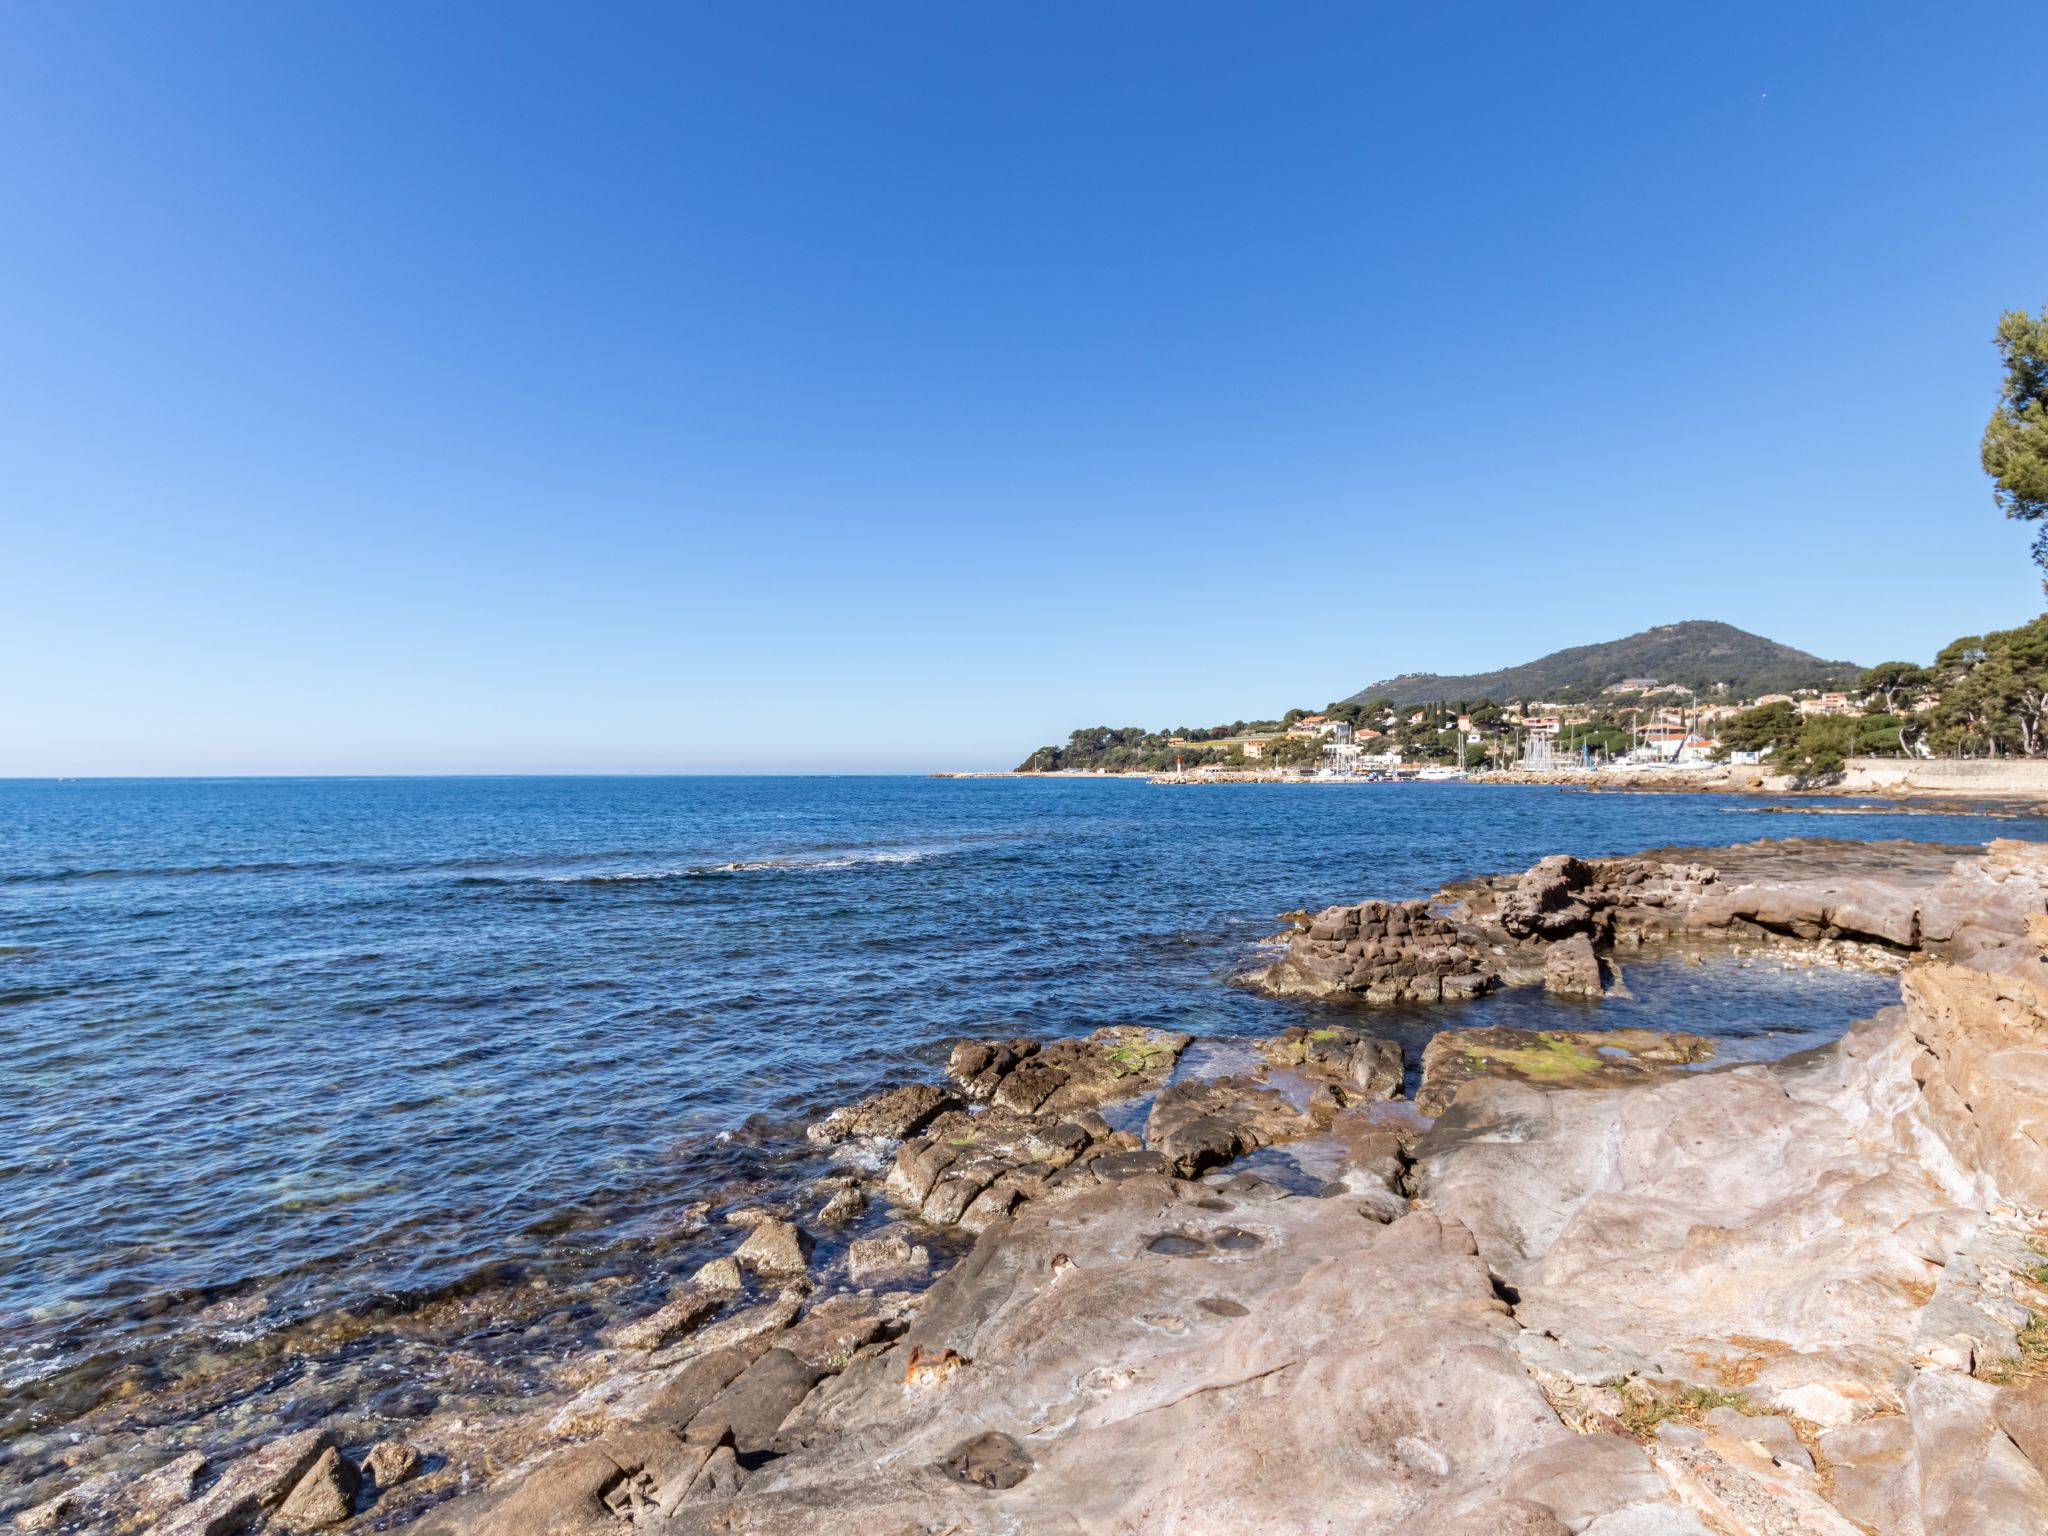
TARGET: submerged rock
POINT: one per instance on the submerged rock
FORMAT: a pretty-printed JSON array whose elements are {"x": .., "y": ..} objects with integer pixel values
[
  {"x": 170, "y": 1485},
  {"x": 1554, "y": 1057}
]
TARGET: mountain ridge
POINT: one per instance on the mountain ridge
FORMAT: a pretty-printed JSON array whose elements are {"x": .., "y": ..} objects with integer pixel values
[{"x": 1701, "y": 654}]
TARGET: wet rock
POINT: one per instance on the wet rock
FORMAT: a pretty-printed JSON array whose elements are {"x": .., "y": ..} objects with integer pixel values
[
  {"x": 897, "y": 1113},
  {"x": 1118, "y": 1062},
  {"x": 776, "y": 1249},
  {"x": 324, "y": 1497},
  {"x": 1572, "y": 969},
  {"x": 1553, "y": 1057},
  {"x": 390, "y": 1463},
  {"x": 885, "y": 1260},
  {"x": 1364, "y": 1066},
  {"x": 683, "y": 1312},
  {"x": 1202, "y": 1123},
  {"x": 76, "y": 1503},
  {"x": 979, "y": 1065},
  {"x": 252, "y": 1486},
  {"x": 845, "y": 1205},
  {"x": 170, "y": 1485},
  {"x": 719, "y": 1277}
]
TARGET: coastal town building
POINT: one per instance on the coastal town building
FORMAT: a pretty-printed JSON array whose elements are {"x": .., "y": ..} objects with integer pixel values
[{"x": 1829, "y": 704}]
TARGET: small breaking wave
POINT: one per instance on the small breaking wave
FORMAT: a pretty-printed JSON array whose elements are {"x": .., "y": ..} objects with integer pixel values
[{"x": 782, "y": 866}]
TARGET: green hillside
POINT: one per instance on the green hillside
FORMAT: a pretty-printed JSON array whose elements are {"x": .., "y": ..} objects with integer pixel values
[{"x": 1699, "y": 653}]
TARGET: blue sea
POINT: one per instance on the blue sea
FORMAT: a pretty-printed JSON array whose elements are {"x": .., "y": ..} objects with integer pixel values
[{"x": 369, "y": 1096}]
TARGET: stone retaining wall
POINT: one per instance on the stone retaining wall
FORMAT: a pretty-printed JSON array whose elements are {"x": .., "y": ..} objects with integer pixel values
[{"x": 1979, "y": 775}]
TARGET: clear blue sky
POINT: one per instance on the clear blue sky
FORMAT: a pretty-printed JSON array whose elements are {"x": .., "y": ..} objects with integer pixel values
[{"x": 417, "y": 388}]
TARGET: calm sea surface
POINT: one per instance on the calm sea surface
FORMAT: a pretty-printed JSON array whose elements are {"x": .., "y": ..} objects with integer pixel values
[{"x": 274, "y": 1054}]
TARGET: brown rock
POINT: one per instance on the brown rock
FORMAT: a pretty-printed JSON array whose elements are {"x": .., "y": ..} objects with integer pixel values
[
  {"x": 754, "y": 1405},
  {"x": 992, "y": 1460},
  {"x": 252, "y": 1486},
  {"x": 1572, "y": 969},
  {"x": 325, "y": 1496},
  {"x": 1119, "y": 1062},
  {"x": 1366, "y": 1067},
  {"x": 885, "y": 1260},
  {"x": 170, "y": 1485},
  {"x": 719, "y": 1277},
  {"x": 769, "y": 1317},
  {"x": 390, "y": 1463},
  {"x": 846, "y": 1203},
  {"x": 897, "y": 1113},
  {"x": 627, "y": 1474},
  {"x": 1202, "y": 1123},
  {"x": 979, "y": 1065},
  {"x": 695, "y": 1382},
  {"x": 684, "y": 1311},
  {"x": 777, "y": 1248}
]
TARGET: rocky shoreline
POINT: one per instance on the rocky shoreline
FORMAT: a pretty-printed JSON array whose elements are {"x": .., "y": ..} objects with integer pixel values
[{"x": 1569, "y": 1280}]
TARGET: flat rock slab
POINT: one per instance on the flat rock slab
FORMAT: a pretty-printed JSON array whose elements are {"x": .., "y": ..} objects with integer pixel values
[
  {"x": 1203, "y": 1123},
  {"x": 1553, "y": 1057},
  {"x": 1144, "y": 1357}
]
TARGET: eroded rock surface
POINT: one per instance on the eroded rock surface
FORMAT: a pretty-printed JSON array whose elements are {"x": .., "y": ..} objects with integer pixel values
[
  {"x": 1860, "y": 902},
  {"x": 1381, "y": 952},
  {"x": 1555, "y": 1057}
]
